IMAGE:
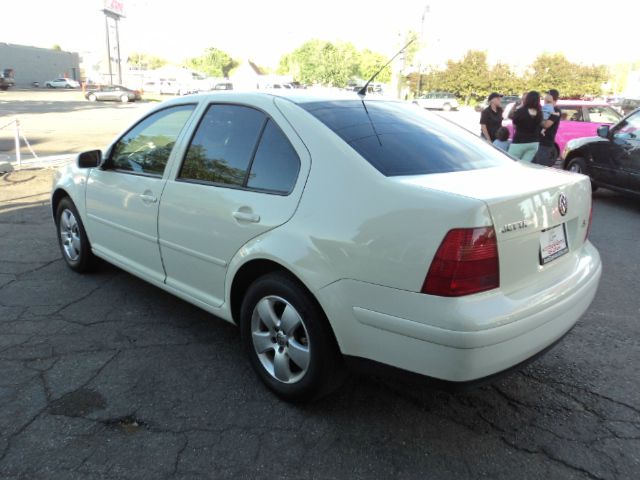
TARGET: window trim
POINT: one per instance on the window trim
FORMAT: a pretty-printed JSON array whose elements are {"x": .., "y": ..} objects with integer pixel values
[
  {"x": 244, "y": 186},
  {"x": 107, "y": 164}
]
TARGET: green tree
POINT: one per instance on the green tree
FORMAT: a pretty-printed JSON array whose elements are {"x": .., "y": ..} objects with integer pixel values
[
  {"x": 503, "y": 80},
  {"x": 335, "y": 64},
  {"x": 370, "y": 62},
  {"x": 469, "y": 78},
  {"x": 144, "y": 61},
  {"x": 410, "y": 52},
  {"x": 554, "y": 70},
  {"x": 213, "y": 62},
  {"x": 56, "y": 47}
]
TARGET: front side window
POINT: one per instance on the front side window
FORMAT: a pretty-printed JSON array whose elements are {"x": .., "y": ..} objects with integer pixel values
[
  {"x": 223, "y": 145},
  {"x": 603, "y": 114},
  {"x": 145, "y": 149},
  {"x": 629, "y": 129}
]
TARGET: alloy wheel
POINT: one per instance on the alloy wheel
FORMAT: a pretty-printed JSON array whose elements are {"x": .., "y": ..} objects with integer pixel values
[
  {"x": 280, "y": 339},
  {"x": 70, "y": 235}
]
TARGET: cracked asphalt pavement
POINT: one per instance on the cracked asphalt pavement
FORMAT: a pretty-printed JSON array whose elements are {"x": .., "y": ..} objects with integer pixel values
[{"x": 104, "y": 376}]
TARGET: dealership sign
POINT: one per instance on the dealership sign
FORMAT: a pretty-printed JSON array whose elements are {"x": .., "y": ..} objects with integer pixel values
[{"x": 115, "y": 7}]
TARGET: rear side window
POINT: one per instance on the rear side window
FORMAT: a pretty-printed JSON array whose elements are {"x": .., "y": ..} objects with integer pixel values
[
  {"x": 223, "y": 145},
  {"x": 276, "y": 164},
  {"x": 401, "y": 139},
  {"x": 241, "y": 147},
  {"x": 571, "y": 113}
]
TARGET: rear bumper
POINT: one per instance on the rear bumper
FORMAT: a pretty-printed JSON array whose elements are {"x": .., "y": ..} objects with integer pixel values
[{"x": 462, "y": 339}]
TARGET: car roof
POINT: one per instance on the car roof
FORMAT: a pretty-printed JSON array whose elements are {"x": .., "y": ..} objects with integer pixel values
[
  {"x": 576, "y": 103},
  {"x": 585, "y": 103},
  {"x": 293, "y": 95}
]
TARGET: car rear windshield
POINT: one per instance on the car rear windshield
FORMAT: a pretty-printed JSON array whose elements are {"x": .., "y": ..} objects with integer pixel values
[{"x": 401, "y": 139}]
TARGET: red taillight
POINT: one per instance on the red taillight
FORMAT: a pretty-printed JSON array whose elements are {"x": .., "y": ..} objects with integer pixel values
[{"x": 466, "y": 262}]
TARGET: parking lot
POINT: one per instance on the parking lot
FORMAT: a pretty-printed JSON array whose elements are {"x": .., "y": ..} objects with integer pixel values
[
  {"x": 61, "y": 121},
  {"x": 104, "y": 376}
]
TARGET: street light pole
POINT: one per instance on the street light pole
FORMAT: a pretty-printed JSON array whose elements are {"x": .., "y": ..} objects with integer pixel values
[
  {"x": 118, "y": 50},
  {"x": 424, "y": 14},
  {"x": 106, "y": 23}
]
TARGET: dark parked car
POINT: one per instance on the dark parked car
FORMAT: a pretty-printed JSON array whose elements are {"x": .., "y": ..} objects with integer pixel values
[
  {"x": 116, "y": 93},
  {"x": 504, "y": 101},
  {"x": 612, "y": 159}
]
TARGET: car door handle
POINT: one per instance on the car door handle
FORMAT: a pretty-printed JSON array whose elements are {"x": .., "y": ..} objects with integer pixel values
[
  {"x": 148, "y": 198},
  {"x": 246, "y": 216}
]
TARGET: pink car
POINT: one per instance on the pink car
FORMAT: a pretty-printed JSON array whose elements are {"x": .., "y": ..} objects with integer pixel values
[{"x": 579, "y": 119}]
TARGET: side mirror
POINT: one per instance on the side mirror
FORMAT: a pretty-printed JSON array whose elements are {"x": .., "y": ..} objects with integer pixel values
[
  {"x": 603, "y": 131},
  {"x": 90, "y": 159}
]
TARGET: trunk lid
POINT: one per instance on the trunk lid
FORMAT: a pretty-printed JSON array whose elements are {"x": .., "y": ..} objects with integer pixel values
[{"x": 537, "y": 243}]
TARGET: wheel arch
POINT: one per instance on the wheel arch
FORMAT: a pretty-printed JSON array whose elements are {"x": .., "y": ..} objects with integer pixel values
[
  {"x": 57, "y": 195},
  {"x": 251, "y": 271},
  {"x": 256, "y": 268},
  {"x": 579, "y": 152}
]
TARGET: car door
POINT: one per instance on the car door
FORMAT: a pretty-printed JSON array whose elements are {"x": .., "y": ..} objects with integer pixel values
[
  {"x": 122, "y": 196},
  {"x": 110, "y": 93},
  {"x": 616, "y": 162},
  {"x": 242, "y": 174},
  {"x": 626, "y": 136}
]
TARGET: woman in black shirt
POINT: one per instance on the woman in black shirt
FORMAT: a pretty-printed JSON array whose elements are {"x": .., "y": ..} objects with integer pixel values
[{"x": 526, "y": 122}]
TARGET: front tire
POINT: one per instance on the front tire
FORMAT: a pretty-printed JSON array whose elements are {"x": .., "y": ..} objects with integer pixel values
[
  {"x": 72, "y": 237},
  {"x": 124, "y": 99},
  {"x": 92, "y": 97},
  {"x": 446, "y": 107},
  {"x": 577, "y": 165},
  {"x": 288, "y": 339}
]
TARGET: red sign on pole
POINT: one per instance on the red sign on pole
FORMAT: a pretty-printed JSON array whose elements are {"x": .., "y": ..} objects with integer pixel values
[{"x": 115, "y": 7}]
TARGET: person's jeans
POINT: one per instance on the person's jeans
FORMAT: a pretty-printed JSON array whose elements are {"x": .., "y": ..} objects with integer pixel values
[
  {"x": 524, "y": 151},
  {"x": 546, "y": 156}
]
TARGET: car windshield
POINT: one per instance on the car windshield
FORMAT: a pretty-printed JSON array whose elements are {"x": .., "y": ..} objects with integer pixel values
[{"x": 402, "y": 139}]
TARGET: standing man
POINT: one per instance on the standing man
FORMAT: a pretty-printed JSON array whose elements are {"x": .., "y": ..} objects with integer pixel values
[
  {"x": 491, "y": 118},
  {"x": 547, "y": 153}
]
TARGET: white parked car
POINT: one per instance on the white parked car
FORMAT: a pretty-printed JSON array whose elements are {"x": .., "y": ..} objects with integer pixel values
[
  {"x": 62, "y": 83},
  {"x": 438, "y": 101},
  {"x": 333, "y": 229}
]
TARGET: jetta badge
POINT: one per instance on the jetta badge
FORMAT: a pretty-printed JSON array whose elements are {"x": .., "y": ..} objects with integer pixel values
[{"x": 563, "y": 204}]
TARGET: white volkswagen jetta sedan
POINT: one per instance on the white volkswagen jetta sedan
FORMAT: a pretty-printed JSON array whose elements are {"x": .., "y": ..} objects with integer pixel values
[{"x": 333, "y": 229}]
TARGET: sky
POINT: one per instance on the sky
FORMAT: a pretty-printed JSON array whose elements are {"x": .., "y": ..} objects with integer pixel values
[{"x": 512, "y": 31}]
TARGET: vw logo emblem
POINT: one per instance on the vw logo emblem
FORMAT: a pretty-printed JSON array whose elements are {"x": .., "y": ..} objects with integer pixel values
[{"x": 563, "y": 204}]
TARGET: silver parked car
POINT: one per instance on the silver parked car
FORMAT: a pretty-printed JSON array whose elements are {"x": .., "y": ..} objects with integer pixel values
[{"x": 116, "y": 93}]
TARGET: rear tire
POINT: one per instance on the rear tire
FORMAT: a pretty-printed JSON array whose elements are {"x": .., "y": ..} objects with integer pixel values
[
  {"x": 124, "y": 99},
  {"x": 72, "y": 237},
  {"x": 446, "y": 107},
  {"x": 288, "y": 339},
  {"x": 92, "y": 97}
]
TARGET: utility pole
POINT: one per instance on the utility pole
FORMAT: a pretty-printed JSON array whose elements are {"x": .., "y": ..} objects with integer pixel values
[{"x": 426, "y": 10}]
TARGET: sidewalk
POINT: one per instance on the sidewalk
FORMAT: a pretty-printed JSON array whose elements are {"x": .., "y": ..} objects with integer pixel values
[{"x": 8, "y": 162}]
